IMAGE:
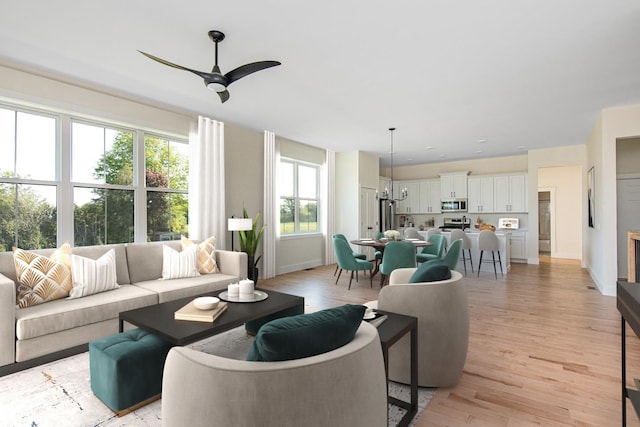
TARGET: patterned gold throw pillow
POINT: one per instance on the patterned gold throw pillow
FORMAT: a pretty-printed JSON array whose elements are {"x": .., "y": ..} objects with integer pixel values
[
  {"x": 206, "y": 254},
  {"x": 40, "y": 279}
]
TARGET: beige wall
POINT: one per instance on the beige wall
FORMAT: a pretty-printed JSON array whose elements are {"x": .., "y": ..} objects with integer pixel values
[
  {"x": 565, "y": 183},
  {"x": 601, "y": 242},
  {"x": 476, "y": 166},
  {"x": 243, "y": 164},
  {"x": 628, "y": 156},
  {"x": 87, "y": 103}
]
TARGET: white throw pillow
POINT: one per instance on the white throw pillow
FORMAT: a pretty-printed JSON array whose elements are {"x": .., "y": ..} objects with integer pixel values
[
  {"x": 93, "y": 276},
  {"x": 177, "y": 265}
]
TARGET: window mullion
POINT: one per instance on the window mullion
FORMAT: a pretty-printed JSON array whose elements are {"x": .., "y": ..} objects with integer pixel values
[
  {"x": 140, "y": 192},
  {"x": 63, "y": 177}
]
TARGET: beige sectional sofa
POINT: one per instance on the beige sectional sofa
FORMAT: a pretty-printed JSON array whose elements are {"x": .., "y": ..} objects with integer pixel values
[{"x": 37, "y": 334}]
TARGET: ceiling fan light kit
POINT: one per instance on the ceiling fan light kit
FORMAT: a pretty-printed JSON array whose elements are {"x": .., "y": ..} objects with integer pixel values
[{"x": 215, "y": 80}]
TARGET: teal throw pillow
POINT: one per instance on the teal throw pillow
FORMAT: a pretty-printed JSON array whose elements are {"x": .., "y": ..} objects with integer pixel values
[
  {"x": 306, "y": 335},
  {"x": 431, "y": 271}
]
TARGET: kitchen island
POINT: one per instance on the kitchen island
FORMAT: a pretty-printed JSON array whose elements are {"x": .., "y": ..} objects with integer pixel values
[{"x": 505, "y": 252}]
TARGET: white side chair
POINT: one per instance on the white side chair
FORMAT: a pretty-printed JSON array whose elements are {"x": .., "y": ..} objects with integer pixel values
[
  {"x": 412, "y": 233},
  {"x": 488, "y": 241},
  {"x": 466, "y": 246}
]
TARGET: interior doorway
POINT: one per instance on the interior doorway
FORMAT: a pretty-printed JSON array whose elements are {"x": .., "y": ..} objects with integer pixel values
[{"x": 544, "y": 223}]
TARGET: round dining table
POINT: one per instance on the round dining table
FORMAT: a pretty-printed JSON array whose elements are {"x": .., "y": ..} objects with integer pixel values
[{"x": 379, "y": 244}]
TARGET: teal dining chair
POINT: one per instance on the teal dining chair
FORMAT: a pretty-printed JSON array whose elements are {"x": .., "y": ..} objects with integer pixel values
[
  {"x": 346, "y": 261},
  {"x": 453, "y": 254},
  {"x": 397, "y": 255},
  {"x": 355, "y": 254},
  {"x": 433, "y": 251}
]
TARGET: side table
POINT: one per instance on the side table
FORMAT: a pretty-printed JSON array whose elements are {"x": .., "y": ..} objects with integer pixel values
[{"x": 391, "y": 331}]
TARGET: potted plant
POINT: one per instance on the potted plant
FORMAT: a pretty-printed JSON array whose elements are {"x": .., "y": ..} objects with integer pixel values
[{"x": 249, "y": 240}]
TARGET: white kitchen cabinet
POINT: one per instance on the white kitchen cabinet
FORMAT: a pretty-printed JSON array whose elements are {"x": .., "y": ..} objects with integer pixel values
[
  {"x": 510, "y": 193},
  {"x": 453, "y": 185},
  {"x": 429, "y": 196},
  {"x": 519, "y": 246},
  {"x": 480, "y": 199},
  {"x": 412, "y": 203}
]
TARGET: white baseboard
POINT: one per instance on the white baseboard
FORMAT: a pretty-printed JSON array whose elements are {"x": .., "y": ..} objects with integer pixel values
[{"x": 283, "y": 269}]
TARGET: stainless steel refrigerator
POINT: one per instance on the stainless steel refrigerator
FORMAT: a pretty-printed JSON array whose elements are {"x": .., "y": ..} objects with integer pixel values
[{"x": 387, "y": 210}]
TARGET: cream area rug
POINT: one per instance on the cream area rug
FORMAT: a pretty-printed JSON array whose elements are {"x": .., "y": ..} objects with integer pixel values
[{"x": 59, "y": 393}]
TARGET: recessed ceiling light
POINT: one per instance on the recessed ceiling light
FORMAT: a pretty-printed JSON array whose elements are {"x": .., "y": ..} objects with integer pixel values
[
  {"x": 429, "y": 148},
  {"x": 409, "y": 160},
  {"x": 478, "y": 151},
  {"x": 520, "y": 147},
  {"x": 482, "y": 141},
  {"x": 442, "y": 155}
]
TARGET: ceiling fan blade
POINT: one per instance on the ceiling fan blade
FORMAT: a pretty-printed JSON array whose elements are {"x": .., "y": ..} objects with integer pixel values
[
  {"x": 224, "y": 95},
  {"x": 247, "y": 69},
  {"x": 202, "y": 74}
]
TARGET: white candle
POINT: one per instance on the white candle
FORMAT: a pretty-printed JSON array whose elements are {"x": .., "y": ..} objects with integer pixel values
[
  {"x": 246, "y": 287},
  {"x": 233, "y": 290}
]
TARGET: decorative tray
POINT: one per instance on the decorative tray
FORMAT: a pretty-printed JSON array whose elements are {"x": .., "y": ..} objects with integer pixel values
[{"x": 257, "y": 296}]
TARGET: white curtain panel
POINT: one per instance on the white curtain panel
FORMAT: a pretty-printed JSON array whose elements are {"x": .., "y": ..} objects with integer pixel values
[
  {"x": 207, "y": 215},
  {"x": 270, "y": 211},
  {"x": 330, "y": 201}
]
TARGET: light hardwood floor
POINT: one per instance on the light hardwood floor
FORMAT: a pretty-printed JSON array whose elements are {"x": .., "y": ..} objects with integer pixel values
[{"x": 544, "y": 347}]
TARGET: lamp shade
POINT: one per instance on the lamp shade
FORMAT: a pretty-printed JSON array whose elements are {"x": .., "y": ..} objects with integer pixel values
[{"x": 238, "y": 224}]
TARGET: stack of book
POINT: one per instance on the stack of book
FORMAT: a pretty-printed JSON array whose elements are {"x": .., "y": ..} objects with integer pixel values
[{"x": 191, "y": 312}]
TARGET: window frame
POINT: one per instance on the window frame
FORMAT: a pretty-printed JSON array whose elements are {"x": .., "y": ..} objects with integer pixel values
[
  {"x": 63, "y": 167},
  {"x": 297, "y": 199}
]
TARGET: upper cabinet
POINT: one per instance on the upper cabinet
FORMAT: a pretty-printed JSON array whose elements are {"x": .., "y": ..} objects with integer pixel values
[
  {"x": 429, "y": 196},
  {"x": 480, "y": 198},
  {"x": 510, "y": 193},
  {"x": 453, "y": 185}
]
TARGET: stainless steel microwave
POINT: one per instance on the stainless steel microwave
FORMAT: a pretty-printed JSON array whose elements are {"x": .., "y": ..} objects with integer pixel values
[{"x": 453, "y": 205}]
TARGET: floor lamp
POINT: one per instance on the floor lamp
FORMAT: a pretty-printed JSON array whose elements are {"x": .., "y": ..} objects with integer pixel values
[{"x": 238, "y": 224}]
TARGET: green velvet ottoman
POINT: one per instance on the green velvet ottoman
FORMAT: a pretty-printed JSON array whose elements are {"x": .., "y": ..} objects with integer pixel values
[
  {"x": 126, "y": 368},
  {"x": 253, "y": 326}
]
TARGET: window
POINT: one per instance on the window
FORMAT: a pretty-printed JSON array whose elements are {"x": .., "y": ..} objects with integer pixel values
[
  {"x": 298, "y": 189},
  {"x": 166, "y": 176},
  {"x": 99, "y": 195},
  {"x": 28, "y": 211}
]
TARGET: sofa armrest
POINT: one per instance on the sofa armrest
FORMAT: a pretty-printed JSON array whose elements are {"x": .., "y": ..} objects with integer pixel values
[
  {"x": 232, "y": 263},
  {"x": 401, "y": 275},
  {"x": 7, "y": 320}
]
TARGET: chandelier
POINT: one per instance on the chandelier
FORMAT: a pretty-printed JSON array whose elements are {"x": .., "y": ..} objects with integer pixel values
[{"x": 387, "y": 194}]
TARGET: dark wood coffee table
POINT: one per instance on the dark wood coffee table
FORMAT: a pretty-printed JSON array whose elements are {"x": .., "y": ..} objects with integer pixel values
[{"x": 158, "y": 319}]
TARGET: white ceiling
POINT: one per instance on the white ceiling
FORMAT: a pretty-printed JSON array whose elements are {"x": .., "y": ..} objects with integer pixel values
[{"x": 519, "y": 75}]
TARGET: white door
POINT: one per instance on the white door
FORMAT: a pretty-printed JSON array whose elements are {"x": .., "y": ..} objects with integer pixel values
[{"x": 628, "y": 218}]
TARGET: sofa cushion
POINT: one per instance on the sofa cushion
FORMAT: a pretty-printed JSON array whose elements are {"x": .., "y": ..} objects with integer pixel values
[
  {"x": 205, "y": 254},
  {"x": 168, "y": 290},
  {"x": 65, "y": 314},
  {"x": 93, "y": 276},
  {"x": 179, "y": 265},
  {"x": 306, "y": 335},
  {"x": 145, "y": 260},
  {"x": 40, "y": 278},
  {"x": 431, "y": 271}
]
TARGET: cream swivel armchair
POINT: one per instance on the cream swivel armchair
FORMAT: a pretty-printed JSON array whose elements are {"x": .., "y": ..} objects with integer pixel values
[
  {"x": 345, "y": 387},
  {"x": 443, "y": 327}
]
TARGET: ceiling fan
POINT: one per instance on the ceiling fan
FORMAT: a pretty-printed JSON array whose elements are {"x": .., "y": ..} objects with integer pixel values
[{"x": 215, "y": 80}]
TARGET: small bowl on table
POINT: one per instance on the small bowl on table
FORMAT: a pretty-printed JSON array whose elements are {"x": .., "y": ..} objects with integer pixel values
[{"x": 206, "y": 303}]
